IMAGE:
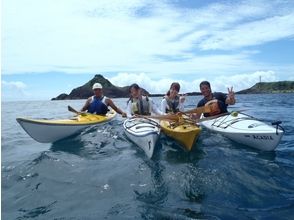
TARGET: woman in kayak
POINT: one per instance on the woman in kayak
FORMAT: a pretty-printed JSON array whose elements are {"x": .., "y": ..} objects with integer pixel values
[
  {"x": 98, "y": 103},
  {"x": 218, "y": 101},
  {"x": 172, "y": 102},
  {"x": 139, "y": 104}
]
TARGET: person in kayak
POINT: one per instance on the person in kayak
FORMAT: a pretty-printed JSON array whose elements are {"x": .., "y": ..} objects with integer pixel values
[
  {"x": 218, "y": 101},
  {"x": 172, "y": 102},
  {"x": 98, "y": 103},
  {"x": 139, "y": 104}
]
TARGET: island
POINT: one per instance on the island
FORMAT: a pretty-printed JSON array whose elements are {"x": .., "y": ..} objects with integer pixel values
[
  {"x": 85, "y": 91},
  {"x": 270, "y": 87},
  {"x": 112, "y": 91}
]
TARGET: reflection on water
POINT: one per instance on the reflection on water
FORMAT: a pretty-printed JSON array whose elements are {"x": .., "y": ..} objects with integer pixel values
[{"x": 100, "y": 174}]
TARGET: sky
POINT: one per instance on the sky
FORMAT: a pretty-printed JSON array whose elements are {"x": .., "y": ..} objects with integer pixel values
[{"x": 50, "y": 47}]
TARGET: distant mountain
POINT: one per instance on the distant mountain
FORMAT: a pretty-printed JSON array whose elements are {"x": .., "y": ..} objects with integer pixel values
[
  {"x": 85, "y": 91},
  {"x": 270, "y": 87}
]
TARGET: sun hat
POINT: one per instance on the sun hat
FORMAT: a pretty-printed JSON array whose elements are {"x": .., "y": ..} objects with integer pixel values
[{"x": 97, "y": 86}]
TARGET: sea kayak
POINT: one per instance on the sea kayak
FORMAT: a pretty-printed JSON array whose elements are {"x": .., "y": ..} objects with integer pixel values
[
  {"x": 186, "y": 134},
  {"x": 246, "y": 130},
  {"x": 49, "y": 131},
  {"x": 143, "y": 132}
]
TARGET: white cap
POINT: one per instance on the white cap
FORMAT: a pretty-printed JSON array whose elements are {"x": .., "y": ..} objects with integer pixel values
[{"x": 97, "y": 86}]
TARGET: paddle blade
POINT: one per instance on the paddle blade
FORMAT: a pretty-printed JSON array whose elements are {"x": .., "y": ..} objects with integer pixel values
[
  {"x": 199, "y": 110},
  {"x": 71, "y": 109}
]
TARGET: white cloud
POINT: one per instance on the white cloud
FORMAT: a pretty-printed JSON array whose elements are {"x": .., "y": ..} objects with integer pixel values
[
  {"x": 78, "y": 36},
  {"x": 242, "y": 81},
  {"x": 14, "y": 90},
  {"x": 151, "y": 85},
  {"x": 14, "y": 85},
  {"x": 253, "y": 33},
  {"x": 220, "y": 83}
]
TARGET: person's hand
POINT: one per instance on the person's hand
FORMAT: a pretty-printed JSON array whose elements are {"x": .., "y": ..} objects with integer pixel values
[
  {"x": 183, "y": 98},
  {"x": 179, "y": 113},
  {"x": 194, "y": 116},
  {"x": 124, "y": 115},
  {"x": 231, "y": 95},
  {"x": 135, "y": 116}
]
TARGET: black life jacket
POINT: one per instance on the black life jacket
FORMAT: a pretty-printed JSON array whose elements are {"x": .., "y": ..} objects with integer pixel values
[
  {"x": 141, "y": 106},
  {"x": 173, "y": 105}
]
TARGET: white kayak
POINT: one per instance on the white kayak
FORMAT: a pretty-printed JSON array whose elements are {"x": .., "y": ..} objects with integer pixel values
[
  {"x": 143, "y": 132},
  {"x": 246, "y": 130},
  {"x": 49, "y": 131}
]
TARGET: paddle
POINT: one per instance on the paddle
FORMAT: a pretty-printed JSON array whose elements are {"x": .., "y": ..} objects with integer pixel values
[
  {"x": 71, "y": 109},
  {"x": 199, "y": 110},
  {"x": 171, "y": 118},
  {"x": 233, "y": 113},
  {"x": 210, "y": 117},
  {"x": 161, "y": 117}
]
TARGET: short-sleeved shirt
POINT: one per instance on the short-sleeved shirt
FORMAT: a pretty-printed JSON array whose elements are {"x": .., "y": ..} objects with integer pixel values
[{"x": 221, "y": 97}]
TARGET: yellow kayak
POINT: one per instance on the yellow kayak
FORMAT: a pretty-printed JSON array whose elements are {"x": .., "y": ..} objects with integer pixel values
[
  {"x": 185, "y": 134},
  {"x": 48, "y": 131}
]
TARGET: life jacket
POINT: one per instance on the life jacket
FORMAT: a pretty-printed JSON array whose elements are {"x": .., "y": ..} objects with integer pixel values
[
  {"x": 216, "y": 107},
  {"x": 141, "y": 106},
  {"x": 98, "y": 106},
  {"x": 173, "y": 105}
]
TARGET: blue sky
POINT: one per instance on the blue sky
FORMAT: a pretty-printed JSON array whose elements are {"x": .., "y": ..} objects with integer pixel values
[{"x": 48, "y": 49}]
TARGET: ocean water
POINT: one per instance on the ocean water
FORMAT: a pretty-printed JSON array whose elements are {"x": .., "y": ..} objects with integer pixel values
[{"x": 100, "y": 174}]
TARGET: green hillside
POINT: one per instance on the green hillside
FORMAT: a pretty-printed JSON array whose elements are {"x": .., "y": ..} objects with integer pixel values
[{"x": 270, "y": 87}]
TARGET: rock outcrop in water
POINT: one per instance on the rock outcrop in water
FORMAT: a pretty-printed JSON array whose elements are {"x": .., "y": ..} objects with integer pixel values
[
  {"x": 85, "y": 91},
  {"x": 270, "y": 87}
]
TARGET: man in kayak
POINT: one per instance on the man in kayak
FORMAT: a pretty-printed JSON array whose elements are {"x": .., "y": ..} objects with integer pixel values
[
  {"x": 172, "y": 102},
  {"x": 217, "y": 100},
  {"x": 98, "y": 103},
  {"x": 139, "y": 104}
]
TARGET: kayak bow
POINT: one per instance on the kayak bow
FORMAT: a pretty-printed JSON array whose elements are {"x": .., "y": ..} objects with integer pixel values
[
  {"x": 143, "y": 132},
  {"x": 49, "y": 131},
  {"x": 186, "y": 134}
]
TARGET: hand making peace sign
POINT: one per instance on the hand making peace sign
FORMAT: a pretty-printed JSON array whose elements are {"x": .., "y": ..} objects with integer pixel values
[{"x": 231, "y": 96}]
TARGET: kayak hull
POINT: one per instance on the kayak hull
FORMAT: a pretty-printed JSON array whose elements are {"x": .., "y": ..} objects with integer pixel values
[
  {"x": 185, "y": 134},
  {"x": 245, "y": 129},
  {"x": 49, "y": 131},
  {"x": 143, "y": 132}
]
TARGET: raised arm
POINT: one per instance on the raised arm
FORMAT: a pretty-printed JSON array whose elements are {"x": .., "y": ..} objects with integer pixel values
[
  {"x": 182, "y": 101},
  {"x": 129, "y": 109},
  {"x": 163, "y": 105},
  {"x": 115, "y": 108},
  {"x": 155, "y": 109}
]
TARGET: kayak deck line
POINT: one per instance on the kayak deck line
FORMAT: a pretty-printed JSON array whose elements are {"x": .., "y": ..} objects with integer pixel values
[
  {"x": 247, "y": 130},
  {"x": 143, "y": 132},
  {"x": 76, "y": 121},
  {"x": 230, "y": 122},
  {"x": 57, "y": 123}
]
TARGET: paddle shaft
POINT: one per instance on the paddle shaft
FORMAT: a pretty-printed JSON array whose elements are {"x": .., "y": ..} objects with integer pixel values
[
  {"x": 71, "y": 109},
  {"x": 161, "y": 117},
  {"x": 199, "y": 110},
  {"x": 174, "y": 117}
]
